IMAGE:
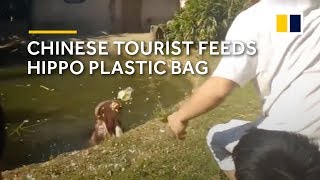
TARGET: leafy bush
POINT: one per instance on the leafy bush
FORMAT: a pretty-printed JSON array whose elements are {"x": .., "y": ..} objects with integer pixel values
[{"x": 204, "y": 20}]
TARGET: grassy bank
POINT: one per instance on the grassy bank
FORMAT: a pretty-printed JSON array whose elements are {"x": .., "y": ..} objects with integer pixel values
[{"x": 147, "y": 152}]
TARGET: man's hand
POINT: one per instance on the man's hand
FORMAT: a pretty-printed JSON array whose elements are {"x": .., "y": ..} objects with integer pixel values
[
  {"x": 177, "y": 127},
  {"x": 206, "y": 97}
]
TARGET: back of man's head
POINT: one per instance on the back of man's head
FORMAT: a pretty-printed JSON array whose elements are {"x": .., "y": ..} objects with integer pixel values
[{"x": 276, "y": 155}]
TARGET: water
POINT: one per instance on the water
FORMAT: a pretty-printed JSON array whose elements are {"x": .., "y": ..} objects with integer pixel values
[{"x": 62, "y": 120}]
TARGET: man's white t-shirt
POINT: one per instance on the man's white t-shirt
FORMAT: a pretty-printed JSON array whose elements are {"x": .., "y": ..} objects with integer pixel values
[{"x": 294, "y": 106}]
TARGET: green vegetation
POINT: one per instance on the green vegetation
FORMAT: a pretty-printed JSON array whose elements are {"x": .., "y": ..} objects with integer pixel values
[{"x": 204, "y": 20}]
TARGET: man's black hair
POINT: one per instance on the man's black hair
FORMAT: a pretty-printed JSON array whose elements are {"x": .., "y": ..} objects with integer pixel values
[{"x": 276, "y": 155}]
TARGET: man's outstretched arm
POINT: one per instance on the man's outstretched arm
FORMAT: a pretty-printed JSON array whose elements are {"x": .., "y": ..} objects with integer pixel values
[{"x": 208, "y": 96}]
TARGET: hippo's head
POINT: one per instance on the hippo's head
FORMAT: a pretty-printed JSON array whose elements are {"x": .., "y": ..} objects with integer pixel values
[{"x": 116, "y": 106}]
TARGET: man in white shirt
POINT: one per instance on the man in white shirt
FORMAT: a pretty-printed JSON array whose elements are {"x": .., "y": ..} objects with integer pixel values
[{"x": 286, "y": 72}]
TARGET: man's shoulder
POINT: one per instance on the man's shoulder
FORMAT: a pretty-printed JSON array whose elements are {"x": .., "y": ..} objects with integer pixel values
[
  {"x": 252, "y": 14},
  {"x": 249, "y": 22}
]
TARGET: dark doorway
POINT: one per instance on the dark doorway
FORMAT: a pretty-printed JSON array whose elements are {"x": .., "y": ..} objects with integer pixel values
[
  {"x": 131, "y": 16},
  {"x": 14, "y": 17}
]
